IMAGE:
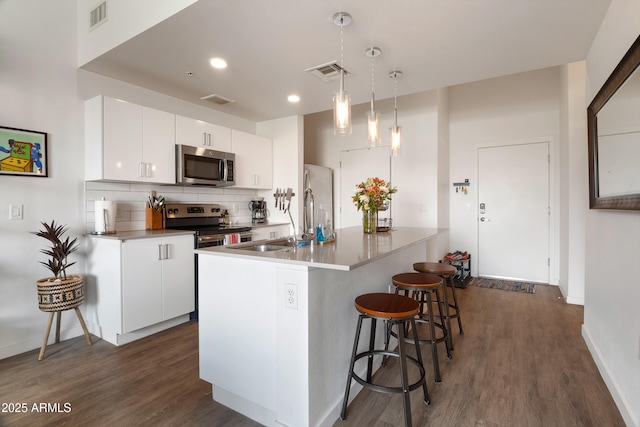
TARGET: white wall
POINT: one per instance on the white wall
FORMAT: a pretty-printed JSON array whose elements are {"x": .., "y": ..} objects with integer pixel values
[
  {"x": 38, "y": 92},
  {"x": 573, "y": 197},
  {"x": 288, "y": 154},
  {"x": 125, "y": 19},
  {"x": 414, "y": 171},
  {"x": 514, "y": 109},
  {"x": 612, "y": 289},
  {"x": 42, "y": 89}
]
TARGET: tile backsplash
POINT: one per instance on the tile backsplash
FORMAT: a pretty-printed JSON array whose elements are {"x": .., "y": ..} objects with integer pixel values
[{"x": 131, "y": 201}]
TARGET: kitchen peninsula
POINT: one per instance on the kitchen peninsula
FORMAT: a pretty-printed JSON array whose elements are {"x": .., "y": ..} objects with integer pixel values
[{"x": 276, "y": 327}]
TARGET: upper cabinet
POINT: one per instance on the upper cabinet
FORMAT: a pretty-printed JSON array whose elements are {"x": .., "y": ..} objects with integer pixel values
[
  {"x": 128, "y": 142},
  {"x": 254, "y": 160},
  {"x": 197, "y": 133}
]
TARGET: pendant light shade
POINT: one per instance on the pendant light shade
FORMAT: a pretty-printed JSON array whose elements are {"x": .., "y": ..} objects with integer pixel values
[
  {"x": 395, "y": 131},
  {"x": 373, "y": 123},
  {"x": 342, "y": 110},
  {"x": 341, "y": 99}
]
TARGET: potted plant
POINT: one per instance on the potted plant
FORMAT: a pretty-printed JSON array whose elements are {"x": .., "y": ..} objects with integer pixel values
[
  {"x": 371, "y": 196},
  {"x": 60, "y": 292}
]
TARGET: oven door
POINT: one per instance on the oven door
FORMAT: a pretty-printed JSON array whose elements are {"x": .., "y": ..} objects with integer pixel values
[
  {"x": 210, "y": 240},
  {"x": 219, "y": 239}
]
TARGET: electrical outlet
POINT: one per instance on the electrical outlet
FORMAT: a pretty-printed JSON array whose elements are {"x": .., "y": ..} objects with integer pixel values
[{"x": 291, "y": 296}]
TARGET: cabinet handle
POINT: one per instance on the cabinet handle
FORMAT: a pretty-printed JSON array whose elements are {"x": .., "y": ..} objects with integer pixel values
[
  {"x": 209, "y": 139},
  {"x": 204, "y": 138},
  {"x": 160, "y": 252},
  {"x": 140, "y": 170},
  {"x": 148, "y": 169},
  {"x": 166, "y": 251}
]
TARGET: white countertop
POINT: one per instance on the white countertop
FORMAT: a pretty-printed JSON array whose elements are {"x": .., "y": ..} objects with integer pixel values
[{"x": 351, "y": 249}]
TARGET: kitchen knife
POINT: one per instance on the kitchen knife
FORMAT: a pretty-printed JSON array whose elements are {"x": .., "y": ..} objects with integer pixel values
[{"x": 277, "y": 196}]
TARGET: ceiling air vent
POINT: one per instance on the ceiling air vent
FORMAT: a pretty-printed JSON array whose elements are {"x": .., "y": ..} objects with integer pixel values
[
  {"x": 217, "y": 99},
  {"x": 328, "y": 71},
  {"x": 98, "y": 15}
]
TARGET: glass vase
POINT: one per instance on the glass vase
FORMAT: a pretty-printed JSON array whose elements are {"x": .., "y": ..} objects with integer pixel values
[{"x": 369, "y": 221}]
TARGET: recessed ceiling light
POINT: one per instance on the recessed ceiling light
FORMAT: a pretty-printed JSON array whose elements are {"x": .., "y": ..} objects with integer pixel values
[
  {"x": 293, "y": 98},
  {"x": 218, "y": 63}
]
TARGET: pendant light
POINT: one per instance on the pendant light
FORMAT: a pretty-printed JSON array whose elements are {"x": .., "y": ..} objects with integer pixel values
[
  {"x": 342, "y": 99},
  {"x": 395, "y": 130},
  {"x": 373, "y": 126}
]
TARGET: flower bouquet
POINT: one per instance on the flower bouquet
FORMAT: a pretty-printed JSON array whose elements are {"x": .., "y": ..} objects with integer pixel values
[{"x": 372, "y": 196}]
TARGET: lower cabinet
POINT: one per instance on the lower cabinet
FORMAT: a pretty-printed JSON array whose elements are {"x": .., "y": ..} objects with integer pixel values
[{"x": 140, "y": 283}]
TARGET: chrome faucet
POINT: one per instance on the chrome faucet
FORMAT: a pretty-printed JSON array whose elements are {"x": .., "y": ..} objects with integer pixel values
[{"x": 308, "y": 219}]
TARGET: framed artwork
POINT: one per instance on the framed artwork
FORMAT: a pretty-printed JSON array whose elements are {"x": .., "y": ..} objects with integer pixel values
[{"x": 23, "y": 152}]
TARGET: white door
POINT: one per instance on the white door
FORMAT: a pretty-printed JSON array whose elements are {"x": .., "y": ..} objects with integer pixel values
[
  {"x": 513, "y": 212},
  {"x": 355, "y": 167}
]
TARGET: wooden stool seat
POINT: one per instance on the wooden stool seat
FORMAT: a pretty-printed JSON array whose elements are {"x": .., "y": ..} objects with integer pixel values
[
  {"x": 422, "y": 285},
  {"x": 394, "y": 310},
  {"x": 447, "y": 272},
  {"x": 387, "y": 306},
  {"x": 435, "y": 268},
  {"x": 417, "y": 280}
]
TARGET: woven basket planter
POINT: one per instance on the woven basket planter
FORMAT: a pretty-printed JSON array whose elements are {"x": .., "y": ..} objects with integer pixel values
[{"x": 61, "y": 295}]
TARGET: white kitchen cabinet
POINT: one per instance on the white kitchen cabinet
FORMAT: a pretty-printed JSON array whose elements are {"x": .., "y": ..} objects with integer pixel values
[
  {"x": 140, "y": 284},
  {"x": 254, "y": 160},
  {"x": 197, "y": 133},
  {"x": 269, "y": 232},
  {"x": 128, "y": 142}
]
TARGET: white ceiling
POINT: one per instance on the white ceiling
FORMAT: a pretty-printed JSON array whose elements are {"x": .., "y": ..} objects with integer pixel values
[{"x": 269, "y": 43}]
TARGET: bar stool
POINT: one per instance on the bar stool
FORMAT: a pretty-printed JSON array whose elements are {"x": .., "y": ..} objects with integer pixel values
[
  {"x": 447, "y": 272},
  {"x": 422, "y": 285},
  {"x": 396, "y": 310}
]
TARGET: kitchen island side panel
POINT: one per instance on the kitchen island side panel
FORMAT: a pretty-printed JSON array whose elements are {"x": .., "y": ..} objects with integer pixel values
[
  {"x": 237, "y": 333},
  {"x": 332, "y": 326}
]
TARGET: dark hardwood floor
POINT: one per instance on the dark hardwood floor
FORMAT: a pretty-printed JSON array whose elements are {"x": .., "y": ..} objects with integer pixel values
[{"x": 521, "y": 362}]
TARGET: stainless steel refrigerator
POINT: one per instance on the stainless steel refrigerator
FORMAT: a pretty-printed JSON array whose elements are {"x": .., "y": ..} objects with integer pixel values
[{"x": 318, "y": 191}]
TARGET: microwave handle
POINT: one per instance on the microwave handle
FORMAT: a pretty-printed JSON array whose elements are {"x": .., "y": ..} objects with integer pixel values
[{"x": 225, "y": 170}]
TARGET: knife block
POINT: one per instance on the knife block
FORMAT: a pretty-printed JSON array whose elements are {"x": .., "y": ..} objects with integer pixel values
[{"x": 153, "y": 219}]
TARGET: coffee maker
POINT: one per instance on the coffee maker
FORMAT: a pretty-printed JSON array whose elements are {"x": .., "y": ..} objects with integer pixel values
[{"x": 258, "y": 211}]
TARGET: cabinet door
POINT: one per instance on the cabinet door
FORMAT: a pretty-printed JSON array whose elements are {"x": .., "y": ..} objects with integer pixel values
[
  {"x": 122, "y": 140},
  {"x": 220, "y": 137},
  {"x": 197, "y": 133},
  {"x": 178, "y": 277},
  {"x": 158, "y": 146},
  {"x": 141, "y": 283},
  {"x": 191, "y": 132},
  {"x": 254, "y": 160}
]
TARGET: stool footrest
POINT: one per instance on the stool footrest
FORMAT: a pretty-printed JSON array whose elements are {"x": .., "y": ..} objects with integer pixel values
[{"x": 383, "y": 388}]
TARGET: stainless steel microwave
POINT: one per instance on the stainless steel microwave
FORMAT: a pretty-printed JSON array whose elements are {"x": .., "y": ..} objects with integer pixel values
[{"x": 201, "y": 166}]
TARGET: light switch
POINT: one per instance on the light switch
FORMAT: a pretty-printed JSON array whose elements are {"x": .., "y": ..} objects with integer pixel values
[{"x": 15, "y": 211}]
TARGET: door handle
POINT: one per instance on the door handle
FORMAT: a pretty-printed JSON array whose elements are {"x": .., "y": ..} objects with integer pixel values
[{"x": 483, "y": 219}]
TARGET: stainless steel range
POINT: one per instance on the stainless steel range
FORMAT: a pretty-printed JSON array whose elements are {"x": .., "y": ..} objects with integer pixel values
[{"x": 206, "y": 220}]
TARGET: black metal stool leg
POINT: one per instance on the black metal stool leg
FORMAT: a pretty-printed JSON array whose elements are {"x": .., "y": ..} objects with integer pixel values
[
  {"x": 416, "y": 341},
  {"x": 406, "y": 403},
  {"x": 446, "y": 330},
  {"x": 456, "y": 306},
  {"x": 432, "y": 338},
  {"x": 343, "y": 413},
  {"x": 372, "y": 341}
]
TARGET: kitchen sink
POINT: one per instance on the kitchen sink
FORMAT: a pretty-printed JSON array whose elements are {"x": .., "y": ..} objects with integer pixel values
[
  {"x": 262, "y": 248},
  {"x": 266, "y": 246}
]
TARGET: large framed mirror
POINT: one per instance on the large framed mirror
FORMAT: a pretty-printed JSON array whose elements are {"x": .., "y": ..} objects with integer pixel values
[{"x": 614, "y": 137}]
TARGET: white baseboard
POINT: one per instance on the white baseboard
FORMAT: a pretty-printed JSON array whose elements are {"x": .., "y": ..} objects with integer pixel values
[
  {"x": 122, "y": 339},
  {"x": 621, "y": 402}
]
